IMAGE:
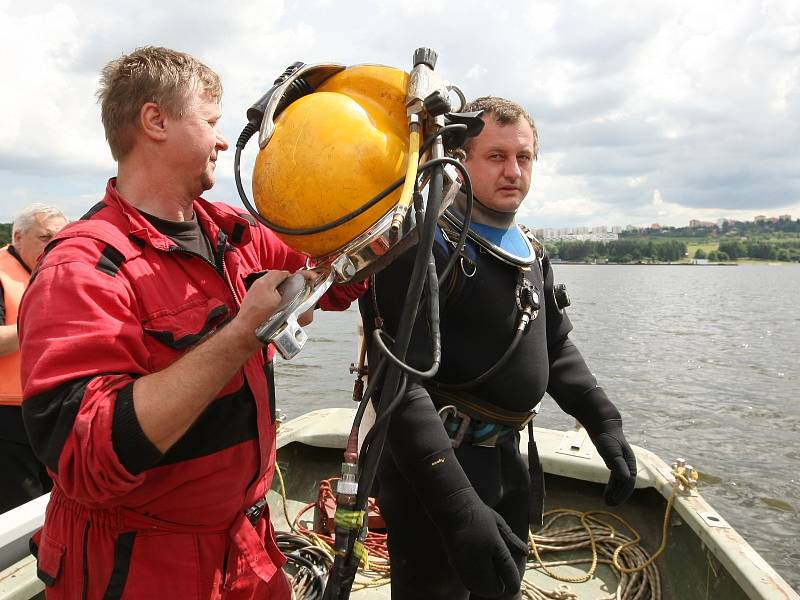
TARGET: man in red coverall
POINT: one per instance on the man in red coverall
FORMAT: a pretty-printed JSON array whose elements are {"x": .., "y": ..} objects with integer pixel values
[{"x": 146, "y": 393}]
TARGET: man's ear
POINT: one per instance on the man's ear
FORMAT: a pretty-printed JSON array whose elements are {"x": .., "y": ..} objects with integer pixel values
[
  {"x": 461, "y": 157},
  {"x": 459, "y": 175},
  {"x": 152, "y": 118},
  {"x": 17, "y": 237}
]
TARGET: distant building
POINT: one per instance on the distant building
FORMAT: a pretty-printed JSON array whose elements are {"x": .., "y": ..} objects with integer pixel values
[
  {"x": 695, "y": 223},
  {"x": 570, "y": 234},
  {"x": 603, "y": 233}
]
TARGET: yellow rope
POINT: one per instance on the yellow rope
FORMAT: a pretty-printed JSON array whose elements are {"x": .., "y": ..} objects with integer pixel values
[
  {"x": 661, "y": 548},
  {"x": 283, "y": 497},
  {"x": 681, "y": 481},
  {"x": 570, "y": 539},
  {"x": 588, "y": 575},
  {"x": 603, "y": 539}
]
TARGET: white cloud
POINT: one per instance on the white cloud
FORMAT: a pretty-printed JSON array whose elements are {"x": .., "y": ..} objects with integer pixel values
[
  {"x": 700, "y": 101},
  {"x": 49, "y": 105},
  {"x": 477, "y": 72}
]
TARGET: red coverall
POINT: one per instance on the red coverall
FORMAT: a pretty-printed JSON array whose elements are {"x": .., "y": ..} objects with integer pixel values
[{"x": 112, "y": 300}]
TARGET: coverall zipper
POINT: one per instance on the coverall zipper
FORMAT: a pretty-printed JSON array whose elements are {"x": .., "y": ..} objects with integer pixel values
[
  {"x": 219, "y": 269},
  {"x": 85, "y": 594}
]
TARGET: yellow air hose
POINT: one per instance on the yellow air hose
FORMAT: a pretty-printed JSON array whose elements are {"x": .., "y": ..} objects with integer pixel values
[{"x": 411, "y": 176}]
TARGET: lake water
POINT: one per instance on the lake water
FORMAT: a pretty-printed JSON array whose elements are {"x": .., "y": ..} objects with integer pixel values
[{"x": 702, "y": 361}]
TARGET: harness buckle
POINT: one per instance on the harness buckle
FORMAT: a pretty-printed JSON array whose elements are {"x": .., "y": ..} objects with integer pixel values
[
  {"x": 255, "y": 512},
  {"x": 450, "y": 411}
]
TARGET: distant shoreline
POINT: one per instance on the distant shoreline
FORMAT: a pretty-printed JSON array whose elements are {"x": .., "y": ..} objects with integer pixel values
[{"x": 673, "y": 264}]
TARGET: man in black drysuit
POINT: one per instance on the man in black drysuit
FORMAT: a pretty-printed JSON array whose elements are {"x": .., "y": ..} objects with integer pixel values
[{"x": 471, "y": 503}]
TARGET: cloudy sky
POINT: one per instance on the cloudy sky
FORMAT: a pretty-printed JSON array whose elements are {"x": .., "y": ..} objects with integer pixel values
[{"x": 660, "y": 113}]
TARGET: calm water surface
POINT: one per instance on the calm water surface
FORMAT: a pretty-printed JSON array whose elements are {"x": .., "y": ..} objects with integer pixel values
[{"x": 702, "y": 362}]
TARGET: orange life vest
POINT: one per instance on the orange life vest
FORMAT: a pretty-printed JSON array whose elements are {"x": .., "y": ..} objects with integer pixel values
[{"x": 14, "y": 278}]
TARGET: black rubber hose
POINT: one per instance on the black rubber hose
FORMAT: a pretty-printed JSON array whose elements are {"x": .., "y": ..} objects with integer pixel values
[
  {"x": 381, "y": 420},
  {"x": 374, "y": 380},
  {"x": 407, "y": 319},
  {"x": 462, "y": 236},
  {"x": 343, "y": 572},
  {"x": 440, "y": 132},
  {"x": 436, "y": 337}
]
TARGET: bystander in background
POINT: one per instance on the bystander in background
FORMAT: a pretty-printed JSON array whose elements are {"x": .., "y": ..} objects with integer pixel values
[{"x": 23, "y": 476}]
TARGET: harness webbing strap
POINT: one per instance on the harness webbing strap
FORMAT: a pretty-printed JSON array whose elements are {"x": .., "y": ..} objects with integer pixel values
[
  {"x": 536, "y": 509},
  {"x": 478, "y": 409}
]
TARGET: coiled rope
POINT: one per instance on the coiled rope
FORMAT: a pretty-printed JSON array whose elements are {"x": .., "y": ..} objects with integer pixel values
[
  {"x": 638, "y": 577},
  {"x": 610, "y": 539}
]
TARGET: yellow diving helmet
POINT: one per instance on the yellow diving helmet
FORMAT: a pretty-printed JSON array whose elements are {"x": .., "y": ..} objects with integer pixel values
[
  {"x": 339, "y": 166},
  {"x": 331, "y": 151}
]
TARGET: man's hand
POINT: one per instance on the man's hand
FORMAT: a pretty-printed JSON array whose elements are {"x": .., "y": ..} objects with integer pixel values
[
  {"x": 259, "y": 303},
  {"x": 308, "y": 317},
  {"x": 480, "y": 545},
  {"x": 615, "y": 451}
]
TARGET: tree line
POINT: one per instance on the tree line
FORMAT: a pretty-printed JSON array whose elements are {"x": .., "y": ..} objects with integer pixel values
[
  {"x": 782, "y": 250},
  {"x": 623, "y": 251},
  {"x": 646, "y": 250}
]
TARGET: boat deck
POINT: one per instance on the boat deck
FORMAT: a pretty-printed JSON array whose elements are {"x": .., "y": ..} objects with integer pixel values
[
  {"x": 304, "y": 467},
  {"x": 704, "y": 558}
]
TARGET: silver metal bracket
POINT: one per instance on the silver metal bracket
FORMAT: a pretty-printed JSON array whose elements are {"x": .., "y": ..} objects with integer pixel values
[{"x": 282, "y": 328}]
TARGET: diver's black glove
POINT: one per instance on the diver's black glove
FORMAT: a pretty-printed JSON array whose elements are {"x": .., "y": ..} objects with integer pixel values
[
  {"x": 615, "y": 451},
  {"x": 479, "y": 543}
]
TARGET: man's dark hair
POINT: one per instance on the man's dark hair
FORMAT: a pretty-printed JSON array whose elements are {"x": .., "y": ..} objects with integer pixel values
[{"x": 505, "y": 112}]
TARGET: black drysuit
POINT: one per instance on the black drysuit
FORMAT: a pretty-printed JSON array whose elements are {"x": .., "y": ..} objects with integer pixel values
[{"x": 429, "y": 498}]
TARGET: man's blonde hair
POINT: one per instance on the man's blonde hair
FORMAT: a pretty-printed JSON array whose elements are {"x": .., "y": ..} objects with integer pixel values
[
  {"x": 150, "y": 74},
  {"x": 505, "y": 112}
]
